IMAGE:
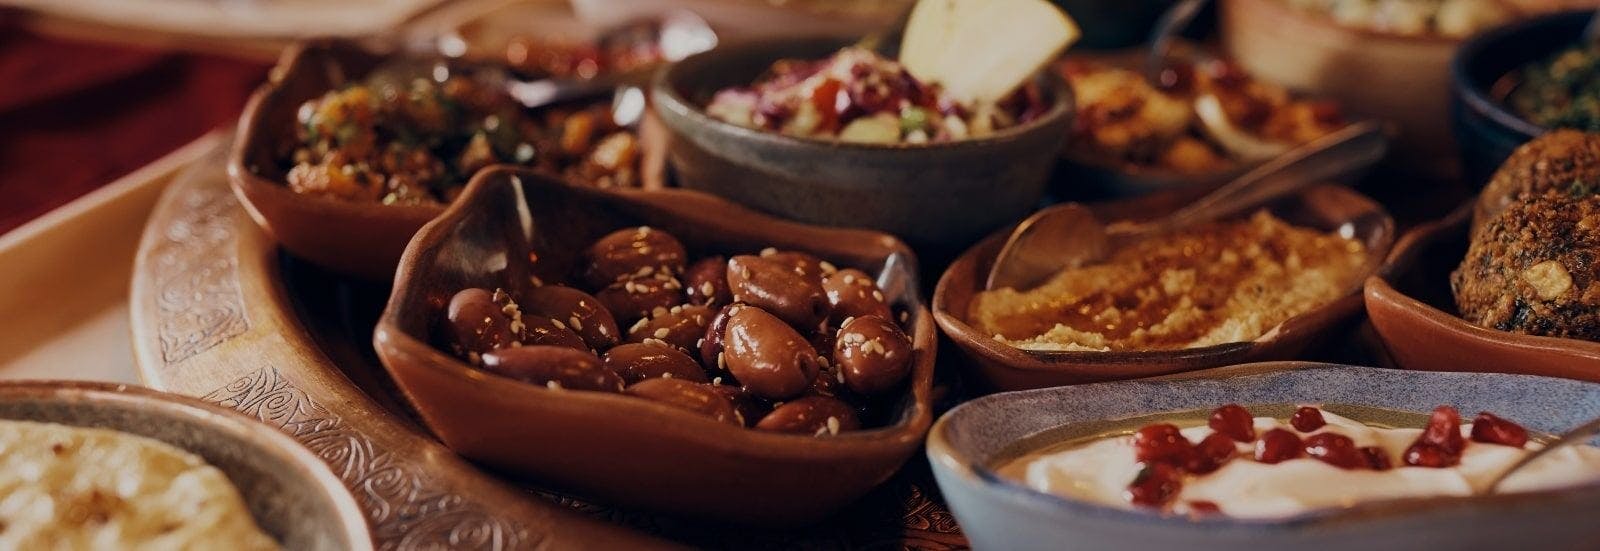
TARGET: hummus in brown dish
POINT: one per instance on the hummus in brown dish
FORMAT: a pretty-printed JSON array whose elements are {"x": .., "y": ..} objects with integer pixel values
[{"x": 1218, "y": 283}]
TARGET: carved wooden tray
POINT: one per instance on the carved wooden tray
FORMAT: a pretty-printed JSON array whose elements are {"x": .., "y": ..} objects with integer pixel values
[{"x": 220, "y": 313}]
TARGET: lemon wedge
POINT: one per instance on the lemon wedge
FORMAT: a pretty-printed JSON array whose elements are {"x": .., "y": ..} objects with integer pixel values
[{"x": 982, "y": 50}]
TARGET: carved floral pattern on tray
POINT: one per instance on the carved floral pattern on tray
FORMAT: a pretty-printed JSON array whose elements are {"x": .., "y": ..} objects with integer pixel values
[
  {"x": 197, "y": 275},
  {"x": 404, "y": 510}
]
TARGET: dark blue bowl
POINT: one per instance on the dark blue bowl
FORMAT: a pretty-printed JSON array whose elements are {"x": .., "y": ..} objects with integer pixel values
[{"x": 1486, "y": 129}]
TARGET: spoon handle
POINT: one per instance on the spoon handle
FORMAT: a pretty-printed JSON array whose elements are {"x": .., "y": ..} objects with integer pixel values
[
  {"x": 1591, "y": 32},
  {"x": 1172, "y": 23},
  {"x": 1575, "y": 436},
  {"x": 1352, "y": 147}
]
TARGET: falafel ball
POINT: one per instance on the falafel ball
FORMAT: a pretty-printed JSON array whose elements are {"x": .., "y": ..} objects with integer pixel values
[
  {"x": 1534, "y": 268},
  {"x": 1554, "y": 160}
]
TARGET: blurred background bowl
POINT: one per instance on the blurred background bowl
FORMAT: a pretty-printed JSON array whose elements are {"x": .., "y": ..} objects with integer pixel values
[
  {"x": 1398, "y": 78},
  {"x": 1482, "y": 76}
]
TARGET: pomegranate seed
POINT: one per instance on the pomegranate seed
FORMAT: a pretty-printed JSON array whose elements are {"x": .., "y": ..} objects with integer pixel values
[
  {"x": 1161, "y": 443},
  {"x": 1444, "y": 431},
  {"x": 1335, "y": 449},
  {"x": 1155, "y": 485},
  {"x": 1423, "y": 454},
  {"x": 1307, "y": 419},
  {"x": 1211, "y": 454},
  {"x": 1377, "y": 460},
  {"x": 1233, "y": 421},
  {"x": 1277, "y": 445},
  {"x": 1492, "y": 429},
  {"x": 1202, "y": 507}
]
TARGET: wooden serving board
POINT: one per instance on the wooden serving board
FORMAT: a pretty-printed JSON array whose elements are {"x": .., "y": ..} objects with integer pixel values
[{"x": 218, "y": 312}]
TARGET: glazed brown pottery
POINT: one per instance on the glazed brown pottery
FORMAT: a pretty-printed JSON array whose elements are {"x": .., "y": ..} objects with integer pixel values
[
  {"x": 1002, "y": 367},
  {"x": 1414, "y": 313},
  {"x": 618, "y": 448}
]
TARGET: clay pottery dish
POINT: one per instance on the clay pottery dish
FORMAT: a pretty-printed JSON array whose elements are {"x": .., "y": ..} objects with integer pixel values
[
  {"x": 1398, "y": 78},
  {"x": 363, "y": 239},
  {"x": 1485, "y": 71},
  {"x": 937, "y": 196},
  {"x": 1414, "y": 313},
  {"x": 621, "y": 449},
  {"x": 967, "y": 444},
  {"x": 1002, "y": 367},
  {"x": 292, "y": 494}
]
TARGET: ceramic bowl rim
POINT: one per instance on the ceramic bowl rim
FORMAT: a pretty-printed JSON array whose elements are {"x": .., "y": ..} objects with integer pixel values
[
  {"x": 941, "y": 452},
  {"x": 664, "y": 90}
]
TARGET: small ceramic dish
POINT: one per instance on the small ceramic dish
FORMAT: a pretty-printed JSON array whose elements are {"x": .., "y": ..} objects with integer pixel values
[
  {"x": 623, "y": 449},
  {"x": 290, "y": 491},
  {"x": 968, "y": 442},
  {"x": 1003, "y": 367},
  {"x": 939, "y": 196},
  {"x": 1414, "y": 313},
  {"x": 364, "y": 239},
  {"x": 1402, "y": 79},
  {"x": 1483, "y": 74}
]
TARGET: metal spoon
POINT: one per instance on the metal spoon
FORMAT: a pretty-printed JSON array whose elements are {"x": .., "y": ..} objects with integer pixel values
[
  {"x": 1575, "y": 436},
  {"x": 1591, "y": 32},
  {"x": 1172, "y": 23},
  {"x": 1068, "y": 235}
]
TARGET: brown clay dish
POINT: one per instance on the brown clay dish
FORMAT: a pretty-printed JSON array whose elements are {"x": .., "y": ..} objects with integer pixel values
[
  {"x": 364, "y": 239},
  {"x": 352, "y": 237},
  {"x": 1412, "y": 309},
  {"x": 1002, "y": 367},
  {"x": 614, "y": 447}
]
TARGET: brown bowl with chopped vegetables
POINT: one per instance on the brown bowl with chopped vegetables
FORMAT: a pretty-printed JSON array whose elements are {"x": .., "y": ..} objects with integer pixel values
[{"x": 349, "y": 148}]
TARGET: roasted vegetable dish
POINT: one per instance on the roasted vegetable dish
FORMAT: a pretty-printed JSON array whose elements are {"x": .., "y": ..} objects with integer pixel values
[{"x": 408, "y": 137}]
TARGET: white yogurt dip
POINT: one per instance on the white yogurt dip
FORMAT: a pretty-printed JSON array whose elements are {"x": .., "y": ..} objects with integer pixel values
[{"x": 1100, "y": 472}]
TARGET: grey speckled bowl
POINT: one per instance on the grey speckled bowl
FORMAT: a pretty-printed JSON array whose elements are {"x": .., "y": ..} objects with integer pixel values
[
  {"x": 938, "y": 196},
  {"x": 291, "y": 493},
  {"x": 997, "y": 514}
]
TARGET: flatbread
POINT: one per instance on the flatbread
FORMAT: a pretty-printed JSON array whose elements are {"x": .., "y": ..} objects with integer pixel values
[{"x": 64, "y": 487}]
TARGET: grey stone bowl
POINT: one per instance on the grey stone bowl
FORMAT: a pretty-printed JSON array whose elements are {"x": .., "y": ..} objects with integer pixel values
[
  {"x": 940, "y": 196},
  {"x": 965, "y": 443},
  {"x": 292, "y": 494}
]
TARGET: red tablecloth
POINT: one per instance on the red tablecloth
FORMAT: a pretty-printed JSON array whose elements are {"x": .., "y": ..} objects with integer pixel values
[{"x": 76, "y": 115}]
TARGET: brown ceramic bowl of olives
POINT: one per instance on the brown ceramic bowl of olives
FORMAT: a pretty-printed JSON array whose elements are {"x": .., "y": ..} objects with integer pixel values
[{"x": 666, "y": 350}]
